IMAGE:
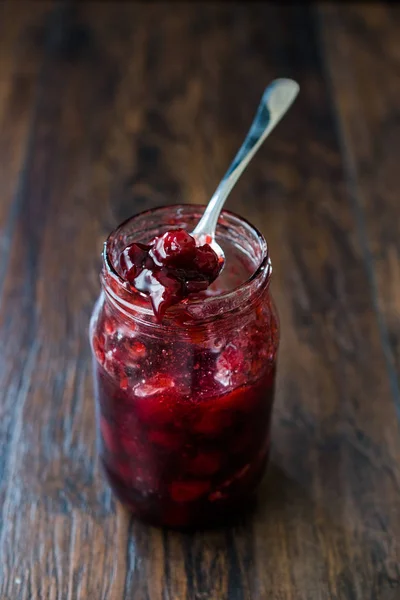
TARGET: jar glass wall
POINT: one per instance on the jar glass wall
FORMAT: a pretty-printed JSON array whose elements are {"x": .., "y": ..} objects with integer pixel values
[{"x": 184, "y": 407}]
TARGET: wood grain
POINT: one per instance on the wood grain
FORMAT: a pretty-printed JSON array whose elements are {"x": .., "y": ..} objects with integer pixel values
[
  {"x": 365, "y": 93},
  {"x": 107, "y": 109}
]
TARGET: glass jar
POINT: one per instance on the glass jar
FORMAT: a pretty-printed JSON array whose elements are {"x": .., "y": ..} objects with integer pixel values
[{"x": 184, "y": 407}]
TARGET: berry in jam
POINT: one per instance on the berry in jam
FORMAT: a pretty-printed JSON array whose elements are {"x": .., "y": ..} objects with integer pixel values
[{"x": 169, "y": 268}]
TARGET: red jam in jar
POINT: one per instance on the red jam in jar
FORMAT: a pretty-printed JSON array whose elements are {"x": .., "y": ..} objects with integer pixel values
[{"x": 184, "y": 403}]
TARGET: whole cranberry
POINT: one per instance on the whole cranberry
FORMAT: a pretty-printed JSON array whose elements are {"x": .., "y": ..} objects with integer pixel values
[
  {"x": 206, "y": 261},
  {"x": 176, "y": 247}
]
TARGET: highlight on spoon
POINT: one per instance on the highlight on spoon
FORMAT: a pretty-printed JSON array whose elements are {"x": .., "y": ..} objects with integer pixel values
[{"x": 281, "y": 94}]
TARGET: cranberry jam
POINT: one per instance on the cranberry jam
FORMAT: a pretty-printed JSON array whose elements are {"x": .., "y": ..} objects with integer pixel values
[{"x": 184, "y": 402}]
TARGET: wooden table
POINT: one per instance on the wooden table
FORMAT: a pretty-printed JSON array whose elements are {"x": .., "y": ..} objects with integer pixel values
[{"x": 110, "y": 108}]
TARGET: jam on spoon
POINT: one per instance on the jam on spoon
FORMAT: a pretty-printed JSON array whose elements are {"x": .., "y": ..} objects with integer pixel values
[{"x": 170, "y": 268}]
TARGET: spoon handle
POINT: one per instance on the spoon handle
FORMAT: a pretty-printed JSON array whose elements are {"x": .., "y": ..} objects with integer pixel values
[{"x": 275, "y": 101}]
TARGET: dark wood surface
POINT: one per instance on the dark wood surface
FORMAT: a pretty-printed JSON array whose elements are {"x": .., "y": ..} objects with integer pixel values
[{"x": 110, "y": 108}]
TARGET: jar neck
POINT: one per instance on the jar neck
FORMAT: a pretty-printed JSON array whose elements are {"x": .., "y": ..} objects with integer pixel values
[{"x": 221, "y": 309}]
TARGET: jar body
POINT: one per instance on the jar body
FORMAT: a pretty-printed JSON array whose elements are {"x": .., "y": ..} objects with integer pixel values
[{"x": 184, "y": 415}]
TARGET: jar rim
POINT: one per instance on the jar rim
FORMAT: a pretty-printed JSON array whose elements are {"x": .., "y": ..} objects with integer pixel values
[{"x": 262, "y": 272}]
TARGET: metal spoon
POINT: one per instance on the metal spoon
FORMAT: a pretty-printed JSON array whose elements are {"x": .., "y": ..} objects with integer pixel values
[{"x": 275, "y": 101}]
